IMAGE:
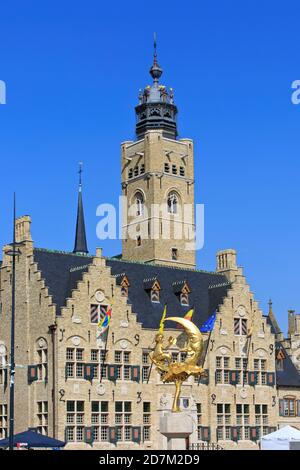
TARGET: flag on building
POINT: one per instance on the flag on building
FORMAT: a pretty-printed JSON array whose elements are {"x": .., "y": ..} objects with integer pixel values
[
  {"x": 208, "y": 326},
  {"x": 162, "y": 321},
  {"x": 189, "y": 315},
  {"x": 105, "y": 322}
]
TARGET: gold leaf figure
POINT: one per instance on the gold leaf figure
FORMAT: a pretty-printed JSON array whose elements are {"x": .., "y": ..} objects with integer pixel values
[{"x": 178, "y": 372}]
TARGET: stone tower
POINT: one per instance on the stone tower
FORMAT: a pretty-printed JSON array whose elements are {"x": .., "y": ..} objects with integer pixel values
[{"x": 158, "y": 183}]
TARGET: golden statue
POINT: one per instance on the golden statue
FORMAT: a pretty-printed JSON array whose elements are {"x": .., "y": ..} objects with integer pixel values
[{"x": 178, "y": 372}]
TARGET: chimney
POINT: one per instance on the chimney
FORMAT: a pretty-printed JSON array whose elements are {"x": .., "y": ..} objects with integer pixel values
[
  {"x": 23, "y": 232},
  {"x": 226, "y": 260},
  {"x": 291, "y": 322}
]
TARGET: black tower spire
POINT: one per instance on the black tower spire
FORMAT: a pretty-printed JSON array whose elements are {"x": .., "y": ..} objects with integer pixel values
[
  {"x": 80, "y": 240},
  {"x": 156, "y": 108}
]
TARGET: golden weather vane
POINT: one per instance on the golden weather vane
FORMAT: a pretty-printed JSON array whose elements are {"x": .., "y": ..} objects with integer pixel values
[{"x": 179, "y": 372}]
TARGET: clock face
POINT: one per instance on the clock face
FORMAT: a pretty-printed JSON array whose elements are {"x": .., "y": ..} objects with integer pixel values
[{"x": 99, "y": 296}]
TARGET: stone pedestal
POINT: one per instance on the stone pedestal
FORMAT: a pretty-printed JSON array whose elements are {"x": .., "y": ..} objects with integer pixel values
[{"x": 176, "y": 427}]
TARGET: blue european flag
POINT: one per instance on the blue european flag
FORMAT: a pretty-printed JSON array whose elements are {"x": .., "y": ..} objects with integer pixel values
[{"x": 209, "y": 324}]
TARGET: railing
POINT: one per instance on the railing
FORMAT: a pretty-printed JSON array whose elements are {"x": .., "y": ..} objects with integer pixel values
[{"x": 205, "y": 446}]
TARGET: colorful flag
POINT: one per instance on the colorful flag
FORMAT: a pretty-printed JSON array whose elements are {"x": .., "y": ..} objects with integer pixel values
[
  {"x": 162, "y": 321},
  {"x": 105, "y": 322},
  {"x": 209, "y": 324},
  {"x": 189, "y": 315}
]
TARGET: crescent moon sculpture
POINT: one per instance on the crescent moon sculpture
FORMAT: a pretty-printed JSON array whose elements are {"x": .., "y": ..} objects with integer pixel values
[{"x": 178, "y": 372}]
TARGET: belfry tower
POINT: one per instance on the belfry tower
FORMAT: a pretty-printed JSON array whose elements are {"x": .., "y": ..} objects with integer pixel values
[{"x": 158, "y": 182}]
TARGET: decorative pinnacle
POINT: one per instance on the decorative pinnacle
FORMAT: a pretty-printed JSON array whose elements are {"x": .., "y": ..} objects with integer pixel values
[
  {"x": 270, "y": 305},
  {"x": 155, "y": 70}
]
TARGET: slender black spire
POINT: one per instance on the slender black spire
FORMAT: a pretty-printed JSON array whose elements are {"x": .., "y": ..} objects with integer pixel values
[{"x": 80, "y": 240}]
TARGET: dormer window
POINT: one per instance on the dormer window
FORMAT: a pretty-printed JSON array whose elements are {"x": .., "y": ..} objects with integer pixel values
[
  {"x": 124, "y": 286},
  {"x": 182, "y": 291},
  {"x": 280, "y": 357},
  {"x": 152, "y": 286},
  {"x": 184, "y": 299}
]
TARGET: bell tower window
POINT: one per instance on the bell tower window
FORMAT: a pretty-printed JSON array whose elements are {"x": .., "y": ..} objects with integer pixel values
[{"x": 139, "y": 201}]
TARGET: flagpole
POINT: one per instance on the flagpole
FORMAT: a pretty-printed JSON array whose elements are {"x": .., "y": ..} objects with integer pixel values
[
  {"x": 12, "y": 339},
  {"x": 104, "y": 358},
  {"x": 248, "y": 353},
  {"x": 206, "y": 353},
  {"x": 161, "y": 330}
]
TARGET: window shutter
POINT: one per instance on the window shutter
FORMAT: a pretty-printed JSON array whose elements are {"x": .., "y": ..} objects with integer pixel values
[
  {"x": 253, "y": 433},
  {"x": 89, "y": 372},
  {"x": 89, "y": 435},
  {"x": 205, "y": 433},
  {"x": 112, "y": 435},
  {"x": 252, "y": 378},
  {"x": 234, "y": 434},
  {"x": 5, "y": 378},
  {"x": 234, "y": 377},
  {"x": 298, "y": 407},
  {"x": 32, "y": 374},
  {"x": 136, "y": 434},
  {"x": 281, "y": 407},
  {"x": 135, "y": 373},
  {"x": 111, "y": 373},
  {"x": 271, "y": 379}
]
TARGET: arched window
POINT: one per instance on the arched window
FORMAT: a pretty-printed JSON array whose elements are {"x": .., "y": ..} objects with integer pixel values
[
  {"x": 42, "y": 359},
  {"x": 173, "y": 202},
  {"x": 139, "y": 201}
]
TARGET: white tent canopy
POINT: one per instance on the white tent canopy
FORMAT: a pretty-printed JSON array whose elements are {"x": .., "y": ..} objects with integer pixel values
[{"x": 280, "y": 439}]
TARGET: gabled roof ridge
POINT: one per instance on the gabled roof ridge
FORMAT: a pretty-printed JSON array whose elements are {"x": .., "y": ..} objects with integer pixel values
[
  {"x": 179, "y": 268},
  {"x": 61, "y": 252}
]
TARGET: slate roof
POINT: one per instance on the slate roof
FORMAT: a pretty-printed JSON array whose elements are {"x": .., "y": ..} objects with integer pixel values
[
  {"x": 289, "y": 376},
  {"x": 205, "y": 296},
  {"x": 62, "y": 271}
]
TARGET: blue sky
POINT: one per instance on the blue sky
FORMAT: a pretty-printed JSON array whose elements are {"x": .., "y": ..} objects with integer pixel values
[{"x": 73, "y": 70}]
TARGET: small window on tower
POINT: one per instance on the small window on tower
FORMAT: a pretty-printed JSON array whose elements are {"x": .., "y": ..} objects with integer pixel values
[
  {"x": 136, "y": 171},
  {"x": 174, "y": 254},
  {"x": 138, "y": 241},
  {"x": 167, "y": 168},
  {"x": 174, "y": 169},
  {"x": 139, "y": 201},
  {"x": 182, "y": 171},
  {"x": 130, "y": 173},
  {"x": 142, "y": 170}
]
